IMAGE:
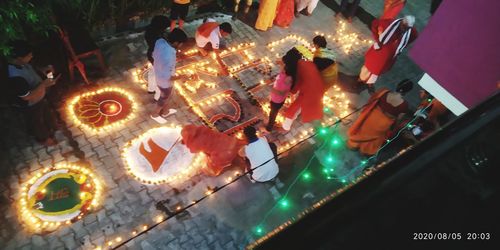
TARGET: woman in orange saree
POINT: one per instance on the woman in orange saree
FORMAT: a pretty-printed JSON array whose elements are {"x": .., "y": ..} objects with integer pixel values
[
  {"x": 285, "y": 13},
  {"x": 219, "y": 148},
  {"x": 369, "y": 132},
  {"x": 267, "y": 13}
]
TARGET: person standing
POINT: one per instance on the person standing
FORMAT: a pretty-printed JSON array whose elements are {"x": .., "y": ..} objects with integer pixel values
[
  {"x": 349, "y": 14},
  {"x": 27, "y": 91},
  {"x": 285, "y": 13},
  {"x": 391, "y": 37},
  {"x": 369, "y": 132},
  {"x": 392, "y": 8},
  {"x": 310, "y": 5},
  {"x": 324, "y": 58},
  {"x": 179, "y": 11},
  {"x": 261, "y": 155},
  {"x": 154, "y": 31},
  {"x": 280, "y": 90},
  {"x": 267, "y": 13},
  {"x": 164, "y": 56},
  {"x": 310, "y": 88},
  {"x": 248, "y": 3}
]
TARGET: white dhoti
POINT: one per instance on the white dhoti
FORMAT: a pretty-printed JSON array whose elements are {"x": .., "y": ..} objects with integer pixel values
[
  {"x": 309, "y": 4},
  {"x": 152, "y": 87}
]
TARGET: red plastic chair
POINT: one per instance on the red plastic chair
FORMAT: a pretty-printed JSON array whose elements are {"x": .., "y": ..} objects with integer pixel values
[{"x": 74, "y": 57}]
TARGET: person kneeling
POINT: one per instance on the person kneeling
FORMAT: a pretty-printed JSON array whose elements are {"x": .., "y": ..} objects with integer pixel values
[
  {"x": 261, "y": 155},
  {"x": 219, "y": 148}
]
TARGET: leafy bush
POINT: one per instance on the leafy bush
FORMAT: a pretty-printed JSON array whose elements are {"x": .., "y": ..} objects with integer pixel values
[
  {"x": 21, "y": 19},
  {"x": 25, "y": 19}
]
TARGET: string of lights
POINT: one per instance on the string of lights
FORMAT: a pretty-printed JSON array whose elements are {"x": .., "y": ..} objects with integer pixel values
[
  {"x": 285, "y": 203},
  {"x": 144, "y": 229},
  {"x": 282, "y": 202},
  {"x": 119, "y": 240}
]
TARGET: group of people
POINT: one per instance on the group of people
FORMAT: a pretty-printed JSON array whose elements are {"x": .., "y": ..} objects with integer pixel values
[
  {"x": 220, "y": 149},
  {"x": 162, "y": 54},
  {"x": 282, "y": 12},
  {"x": 306, "y": 80}
]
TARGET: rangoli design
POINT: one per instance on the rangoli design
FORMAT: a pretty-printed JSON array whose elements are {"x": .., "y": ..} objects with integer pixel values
[
  {"x": 158, "y": 156},
  {"x": 58, "y": 195},
  {"x": 102, "y": 109}
]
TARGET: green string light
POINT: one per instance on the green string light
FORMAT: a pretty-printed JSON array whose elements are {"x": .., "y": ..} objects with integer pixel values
[
  {"x": 329, "y": 159},
  {"x": 284, "y": 203},
  {"x": 259, "y": 230},
  {"x": 326, "y": 109},
  {"x": 306, "y": 176},
  {"x": 323, "y": 131},
  {"x": 335, "y": 141}
]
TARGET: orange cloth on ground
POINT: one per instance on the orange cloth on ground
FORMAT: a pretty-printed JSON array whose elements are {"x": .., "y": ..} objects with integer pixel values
[
  {"x": 311, "y": 89},
  {"x": 369, "y": 132},
  {"x": 220, "y": 148},
  {"x": 206, "y": 28}
]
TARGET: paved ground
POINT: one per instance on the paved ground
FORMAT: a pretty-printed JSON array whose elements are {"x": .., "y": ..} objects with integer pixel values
[{"x": 225, "y": 220}]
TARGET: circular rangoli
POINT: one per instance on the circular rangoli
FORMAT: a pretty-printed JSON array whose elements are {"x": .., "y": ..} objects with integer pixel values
[
  {"x": 57, "y": 195},
  {"x": 158, "y": 156},
  {"x": 102, "y": 109}
]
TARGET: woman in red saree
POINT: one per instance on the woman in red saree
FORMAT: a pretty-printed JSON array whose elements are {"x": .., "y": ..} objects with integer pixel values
[
  {"x": 219, "y": 148},
  {"x": 392, "y": 8},
  {"x": 310, "y": 86},
  {"x": 285, "y": 13},
  {"x": 369, "y": 132}
]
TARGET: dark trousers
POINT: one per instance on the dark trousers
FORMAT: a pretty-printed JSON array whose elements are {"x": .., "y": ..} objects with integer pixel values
[
  {"x": 352, "y": 9},
  {"x": 275, "y": 108},
  {"x": 40, "y": 120}
]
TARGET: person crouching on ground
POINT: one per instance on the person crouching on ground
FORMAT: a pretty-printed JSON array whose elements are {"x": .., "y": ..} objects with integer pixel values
[
  {"x": 164, "y": 56},
  {"x": 219, "y": 148},
  {"x": 261, "y": 156},
  {"x": 210, "y": 32}
]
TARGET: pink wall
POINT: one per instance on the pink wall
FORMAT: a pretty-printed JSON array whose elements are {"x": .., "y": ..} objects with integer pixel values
[{"x": 460, "y": 48}]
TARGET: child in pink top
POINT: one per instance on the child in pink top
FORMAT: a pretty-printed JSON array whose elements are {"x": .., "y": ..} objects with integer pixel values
[{"x": 279, "y": 92}]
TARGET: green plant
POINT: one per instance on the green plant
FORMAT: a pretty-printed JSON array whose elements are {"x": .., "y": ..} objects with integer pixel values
[{"x": 22, "y": 19}]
